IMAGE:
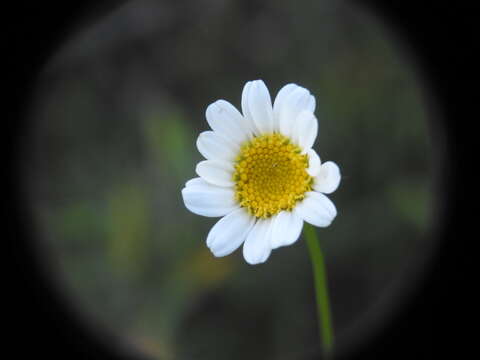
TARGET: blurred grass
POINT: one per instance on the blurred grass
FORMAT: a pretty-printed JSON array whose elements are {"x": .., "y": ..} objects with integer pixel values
[
  {"x": 129, "y": 229},
  {"x": 168, "y": 138}
]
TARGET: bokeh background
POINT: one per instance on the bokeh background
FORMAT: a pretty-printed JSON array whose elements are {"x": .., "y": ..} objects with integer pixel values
[{"x": 114, "y": 123}]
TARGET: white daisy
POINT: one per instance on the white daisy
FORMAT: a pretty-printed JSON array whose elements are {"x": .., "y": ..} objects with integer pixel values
[{"x": 261, "y": 173}]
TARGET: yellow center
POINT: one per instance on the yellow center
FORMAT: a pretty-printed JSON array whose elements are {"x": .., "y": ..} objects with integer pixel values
[{"x": 270, "y": 175}]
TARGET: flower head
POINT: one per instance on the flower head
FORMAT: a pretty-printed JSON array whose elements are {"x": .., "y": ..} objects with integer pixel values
[{"x": 261, "y": 174}]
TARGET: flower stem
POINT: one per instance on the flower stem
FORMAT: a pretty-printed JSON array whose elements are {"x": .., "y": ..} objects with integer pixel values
[{"x": 321, "y": 289}]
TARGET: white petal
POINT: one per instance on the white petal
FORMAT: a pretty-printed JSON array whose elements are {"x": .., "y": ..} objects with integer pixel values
[
  {"x": 230, "y": 232},
  {"x": 328, "y": 179},
  {"x": 213, "y": 146},
  {"x": 195, "y": 181},
  {"x": 226, "y": 121},
  {"x": 232, "y": 110},
  {"x": 204, "y": 199},
  {"x": 313, "y": 163},
  {"x": 305, "y": 130},
  {"x": 216, "y": 172},
  {"x": 286, "y": 229},
  {"x": 246, "y": 110},
  {"x": 257, "y": 248},
  {"x": 281, "y": 98},
  {"x": 260, "y": 107},
  {"x": 291, "y": 106},
  {"x": 316, "y": 209},
  {"x": 311, "y": 105}
]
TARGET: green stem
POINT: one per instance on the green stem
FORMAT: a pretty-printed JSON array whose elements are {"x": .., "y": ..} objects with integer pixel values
[{"x": 321, "y": 289}]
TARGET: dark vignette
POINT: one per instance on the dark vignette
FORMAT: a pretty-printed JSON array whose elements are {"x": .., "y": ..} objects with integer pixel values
[
  {"x": 422, "y": 327},
  {"x": 54, "y": 330}
]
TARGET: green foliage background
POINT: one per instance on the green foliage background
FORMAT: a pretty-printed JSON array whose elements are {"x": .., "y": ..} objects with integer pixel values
[{"x": 116, "y": 116}]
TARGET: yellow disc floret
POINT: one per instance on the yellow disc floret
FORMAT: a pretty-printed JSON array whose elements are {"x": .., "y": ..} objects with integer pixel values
[{"x": 270, "y": 175}]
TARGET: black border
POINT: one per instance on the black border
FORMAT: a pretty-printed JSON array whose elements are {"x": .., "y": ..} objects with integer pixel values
[{"x": 441, "y": 36}]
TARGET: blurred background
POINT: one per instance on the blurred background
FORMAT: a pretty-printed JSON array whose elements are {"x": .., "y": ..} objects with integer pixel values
[{"x": 115, "y": 119}]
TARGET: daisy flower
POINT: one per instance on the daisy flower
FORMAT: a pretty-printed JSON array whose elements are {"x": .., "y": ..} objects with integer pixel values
[{"x": 261, "y": 174}]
